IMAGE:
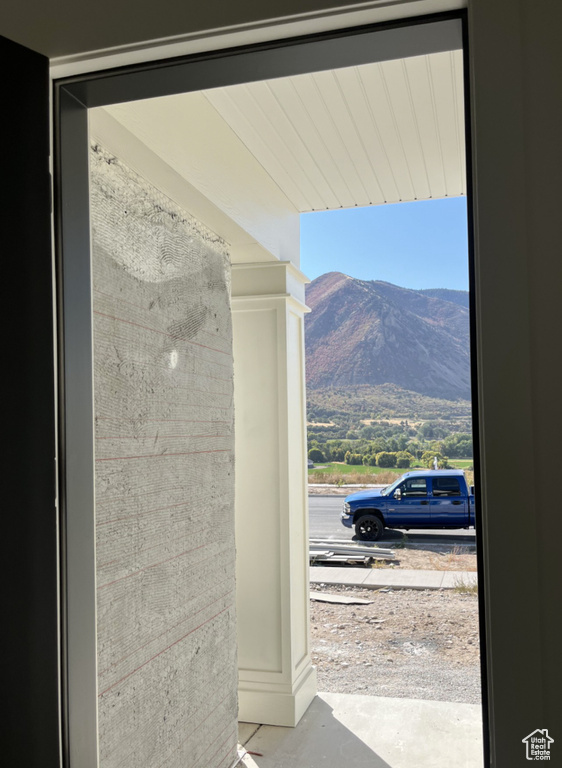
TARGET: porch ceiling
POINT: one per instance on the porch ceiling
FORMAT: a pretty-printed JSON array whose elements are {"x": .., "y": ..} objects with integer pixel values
[
  {"x": 378, "y": 133},
  {"x": 263, "y": 152}
]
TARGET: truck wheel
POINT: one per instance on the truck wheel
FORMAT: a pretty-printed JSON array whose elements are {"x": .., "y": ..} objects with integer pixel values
[{"x": 369, "y": 528}]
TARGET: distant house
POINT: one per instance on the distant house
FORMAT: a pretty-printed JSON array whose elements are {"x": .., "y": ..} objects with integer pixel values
[{"x": 538, "y": 744}]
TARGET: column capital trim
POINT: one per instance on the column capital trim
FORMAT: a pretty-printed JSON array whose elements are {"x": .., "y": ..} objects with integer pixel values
[
  {"x": 268, "y": 279},
  {"x": 254, "y": 302},
  {"x": 294, "y": 271}
]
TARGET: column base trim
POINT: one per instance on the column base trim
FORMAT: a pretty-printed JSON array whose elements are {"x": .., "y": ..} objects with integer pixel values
[{"x": 272, "y": 707}]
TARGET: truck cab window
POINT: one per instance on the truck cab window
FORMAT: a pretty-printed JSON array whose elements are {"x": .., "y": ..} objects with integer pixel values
[
  {"x": 414, "y": 486},
  {"x": 446, "y": 486}
]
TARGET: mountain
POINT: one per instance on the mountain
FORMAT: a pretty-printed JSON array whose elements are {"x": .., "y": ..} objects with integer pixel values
[
  {"x": 457, "y": 297},
  {"x": 363, "y": 332}
]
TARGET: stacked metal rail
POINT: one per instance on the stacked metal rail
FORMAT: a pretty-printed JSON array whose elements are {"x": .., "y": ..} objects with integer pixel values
[{"x": 327, "y": 551}]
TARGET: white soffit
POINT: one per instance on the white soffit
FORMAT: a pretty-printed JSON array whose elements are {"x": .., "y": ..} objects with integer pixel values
[
  {"x": 264, "y": 152},
  {"x": 188, "y": 134},
  {"x": 367, "y": 135}
]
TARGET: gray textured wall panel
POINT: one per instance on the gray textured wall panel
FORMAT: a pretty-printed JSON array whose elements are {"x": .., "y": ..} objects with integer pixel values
[{"x": 164, "y": 479}]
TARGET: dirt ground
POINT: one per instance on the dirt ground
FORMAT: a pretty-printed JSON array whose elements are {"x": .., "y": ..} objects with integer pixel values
[
  {"x": 406, "y": 644},
  {"x": 437, "y": 557}
]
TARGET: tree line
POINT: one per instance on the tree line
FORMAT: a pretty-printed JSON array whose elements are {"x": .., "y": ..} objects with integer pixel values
[{"x": 393, "y": 451}]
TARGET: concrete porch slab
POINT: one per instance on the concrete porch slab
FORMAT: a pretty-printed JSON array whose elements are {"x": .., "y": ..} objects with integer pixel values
[
  {"x": 372, "y": 732},
  {"x": 404, "y": 579},
  {"x": 323, "y": 574},
  {"x": 453, "y": 579},
  {"x": 393, "y": 578}
]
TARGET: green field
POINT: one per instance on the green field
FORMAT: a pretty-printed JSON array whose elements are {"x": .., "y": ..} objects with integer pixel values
[
  {"x": 346, "y": 469},
  {"x": 335, "y": 467}
]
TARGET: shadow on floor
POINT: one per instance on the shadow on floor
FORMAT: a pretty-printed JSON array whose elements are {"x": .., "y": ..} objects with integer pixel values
[
  {"x": 319, "y": 740},
  {"x": 371, "y": 732}
]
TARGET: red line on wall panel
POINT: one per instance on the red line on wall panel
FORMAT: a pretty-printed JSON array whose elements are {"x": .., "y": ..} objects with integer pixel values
[
  {"x": 161, "y": 333},
  {"x": 153, "y": 565},
  {"x": 154, "y": 546},
  {"x": 146, "y": 309},
  {"x": 182, "y": 742},
  {"x": 189, "y": 389},
  {"x": 111, "y": 500},
  {"x": 168, "y": 629},
  {"x": 199, "y": 374},
  {"x": 226, "y": 757},
  {"x": 188, "y": 404},
  {"x": 230, "y": 735},
  {"x": 216, "y": 335},
  {"x": 206, "y": 391},
  {"x": 148, "y": 511},
  {"x": 193, "y": 356},
  {"x": 214, "y": 378},
  {"x": 221, "y": 745},
  {"x": 151, "y": 437},
  {"x": 183, "y": 421},
  {"x": 162, "y": 455},
  {"x": 191, "y": 631}
]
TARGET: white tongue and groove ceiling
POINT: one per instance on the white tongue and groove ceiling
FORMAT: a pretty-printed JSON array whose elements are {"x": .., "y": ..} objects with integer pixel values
[
  {"x": 358, "y": 136},
  {"x": 367, "y": 135}
]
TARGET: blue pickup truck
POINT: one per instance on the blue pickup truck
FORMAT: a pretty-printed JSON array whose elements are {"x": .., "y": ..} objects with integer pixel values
[{"x": 422, "y": 499}]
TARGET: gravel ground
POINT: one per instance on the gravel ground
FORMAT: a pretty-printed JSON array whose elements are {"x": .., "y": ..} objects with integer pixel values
[{"x": 406, "y": 644}]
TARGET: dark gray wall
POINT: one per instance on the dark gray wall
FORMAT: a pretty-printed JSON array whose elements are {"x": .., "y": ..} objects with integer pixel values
[
  {"x": 29, "y": 655},
  {"x": 63, "y": 27},
  {"x": 516, "y": 61}
]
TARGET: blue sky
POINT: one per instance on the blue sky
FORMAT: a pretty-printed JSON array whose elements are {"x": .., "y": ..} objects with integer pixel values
[{"x": 415, "y": 245}]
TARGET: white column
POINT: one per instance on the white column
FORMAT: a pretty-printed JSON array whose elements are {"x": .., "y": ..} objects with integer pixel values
[{"x": 276, "y": 679}]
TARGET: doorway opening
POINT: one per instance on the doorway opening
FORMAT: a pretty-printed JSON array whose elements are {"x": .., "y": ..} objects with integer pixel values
[{"x": 194, "y": 173}]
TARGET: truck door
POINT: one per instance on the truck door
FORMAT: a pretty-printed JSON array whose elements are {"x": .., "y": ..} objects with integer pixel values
[
  {"x": 411, "y": 507},
  {"x": 448, "y": 503}
]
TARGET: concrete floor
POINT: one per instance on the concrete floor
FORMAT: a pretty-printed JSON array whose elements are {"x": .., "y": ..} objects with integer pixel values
[{"x": 371, "y": 732}]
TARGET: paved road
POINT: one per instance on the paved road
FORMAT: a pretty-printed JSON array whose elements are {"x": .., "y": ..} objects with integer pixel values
[{"x": 325, "y": 523}]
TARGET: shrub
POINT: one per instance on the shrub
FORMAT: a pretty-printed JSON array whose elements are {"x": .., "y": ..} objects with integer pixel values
[
  {"x": 353, "y": 458},
  {"x": 315, "y": 454},
  {"x": 403, "y": 459},
  {"x": 386, "y": 459},
  {"x": 429, "y": 456}
]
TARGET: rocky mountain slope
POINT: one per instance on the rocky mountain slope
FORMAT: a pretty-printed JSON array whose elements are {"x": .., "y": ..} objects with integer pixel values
[{"x": 364, "y": 332}]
